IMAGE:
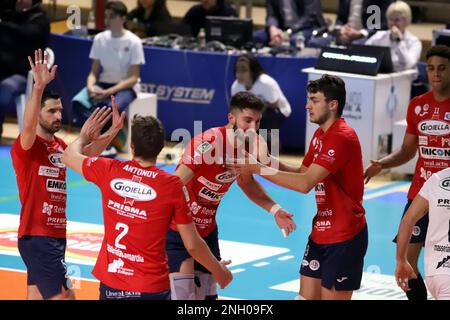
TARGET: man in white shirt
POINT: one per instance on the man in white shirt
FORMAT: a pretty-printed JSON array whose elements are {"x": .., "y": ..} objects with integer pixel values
[
  {"x": 434, "y": 197},
  {"x": 117, "y": 55}
]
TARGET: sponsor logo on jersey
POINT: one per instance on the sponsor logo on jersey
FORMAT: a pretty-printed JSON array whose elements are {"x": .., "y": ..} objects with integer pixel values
[
  {"x": 423, "y": 140},
  {"x": 419, "y": 112},
  {"x": 48, "y": 209},
  {"x": 447, "y": 116},
  {"x": 131, "y": 189},
  {"x": 210, "y": 195},
  {"x": 58, "y": 197},
  {"x": 209, "y": 184},
  {"x": 445, "y": 184},
  {"x": 117, "y": 267},
  {"x": 445, "y": 263},
  {"x": 126, "y": 210},
  {"x": 55, "y": 159},
  {"x": 331, "y": 152},
  {"x": 204, "y": 147},
  {"x": 226, "y": 177},
  {"x": 441, "y": 248},
  {"x": 58, "y": 186},
  {"x": 127, "y": 256},
  {"x": 435, "y": 153},
  {"x": 325, "y": 213},
  {"x": 322, "y": 225},
  {"x": 445, "y": 142},
  {"x": 442, "y": 203},
  {"x": 434, "y": 128},
  {"x": 320, "y": 189},
  {"x": 48, "y": 172}
]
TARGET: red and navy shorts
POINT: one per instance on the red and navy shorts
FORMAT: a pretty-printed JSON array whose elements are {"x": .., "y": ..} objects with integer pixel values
[
  {"x": 177, "y": 253},
  {"x": 45, "y": 262},
  {"x": 339, "y": 265},
  {"x": 420, "y": 228}
]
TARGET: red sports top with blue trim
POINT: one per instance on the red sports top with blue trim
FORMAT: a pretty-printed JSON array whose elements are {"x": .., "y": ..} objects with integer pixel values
[
  {"x": 139, "y": 204},
  {"x": 41, "y": 179},
  {"x": 205, "y": 155},
  {"x": 429, "y": 120},
  {"x": 340, "y": 214}
]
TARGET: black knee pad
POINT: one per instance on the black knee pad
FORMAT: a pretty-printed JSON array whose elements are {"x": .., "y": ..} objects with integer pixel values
[{"x": 418, "y": 290}]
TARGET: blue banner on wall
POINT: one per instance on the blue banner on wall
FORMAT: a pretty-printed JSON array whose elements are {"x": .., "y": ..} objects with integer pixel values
[{"x": 191, "y": 86}]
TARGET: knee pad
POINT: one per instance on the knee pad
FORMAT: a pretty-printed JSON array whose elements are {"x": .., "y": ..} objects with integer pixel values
[
  {"x": 206, "y": 287},
  {"x": 418, "y": 290},
  {"x": 182, "y": 286},
  {"x": 299, "y": 297}
]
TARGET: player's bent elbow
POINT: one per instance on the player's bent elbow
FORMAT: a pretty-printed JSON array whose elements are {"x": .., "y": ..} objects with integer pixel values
[{"x": 304, "y": 188}]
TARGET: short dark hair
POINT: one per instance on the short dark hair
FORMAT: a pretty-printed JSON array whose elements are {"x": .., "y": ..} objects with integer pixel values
[
  {"x": 147, "y": 136},
  {"x": 255, "y": 67},
  {"x": 246, "y": 100},
  {"x": 332, "y": 87},
  {"x": 118, "y": 7},
  {"x": 439, "y": 50},
  {"x": 47, "y": 95}
]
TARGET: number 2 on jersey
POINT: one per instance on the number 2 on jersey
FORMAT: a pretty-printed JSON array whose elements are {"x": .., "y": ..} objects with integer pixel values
[{"x": 125, "y": 228}]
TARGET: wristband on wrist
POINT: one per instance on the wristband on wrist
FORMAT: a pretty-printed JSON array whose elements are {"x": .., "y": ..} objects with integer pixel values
[{"x": 275, "y": 209}]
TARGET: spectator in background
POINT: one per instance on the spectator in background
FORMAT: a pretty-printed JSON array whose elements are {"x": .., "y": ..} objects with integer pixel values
[
  {"x": 405, "y": 47},
  {"x": 250, "y": 76},
  {"x": 354, "y": 23},
  {"x": 196, "y": 15},
  {"x": 117, "y": 55},
  {"x": 149, "y": 13},
  {"x": 298, "y": 15},
  {"x": 24, "y": 26}
]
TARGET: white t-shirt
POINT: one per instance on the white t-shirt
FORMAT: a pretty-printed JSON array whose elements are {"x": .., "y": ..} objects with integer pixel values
[
  {"x": 116, "y": 55},
  {"x": 437, "y": 243},
  {"x": 405, "y": 54},
  {"x": 266, "y": 88}
]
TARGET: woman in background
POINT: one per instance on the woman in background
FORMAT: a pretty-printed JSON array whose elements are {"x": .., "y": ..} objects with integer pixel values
[
  {"x": 144, "y": 20},
  {"x": 250, "y": 76},
  {"x": 405, "y": 47}
]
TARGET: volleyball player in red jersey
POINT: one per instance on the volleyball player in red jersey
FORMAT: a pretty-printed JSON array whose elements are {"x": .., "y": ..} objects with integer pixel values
[
  {"x": 139, "y": 203},
  {"x": 428, "y": 130},
  {"x": 333, "y": 262},
  {"x": 41, "y": 179},
  {"x": 203, "y": 171}
]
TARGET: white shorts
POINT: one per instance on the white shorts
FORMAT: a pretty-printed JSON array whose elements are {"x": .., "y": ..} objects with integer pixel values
[{"x": 439, "y": 286}]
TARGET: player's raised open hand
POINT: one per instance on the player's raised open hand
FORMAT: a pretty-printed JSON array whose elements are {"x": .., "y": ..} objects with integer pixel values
[{"x": 41, "y": 74}]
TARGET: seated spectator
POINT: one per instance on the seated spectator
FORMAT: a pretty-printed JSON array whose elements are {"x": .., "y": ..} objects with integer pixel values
[
  {"x": 250, "y": 76},
  {"x": 297, "y": 15},
  {"x": 117, "y": 55},
  {"x": 354, "y": 23},
  {"x": 143, "y": 20},
  {"x": 196, "y": 15},
  {"x": 405, "y": 47},
  {"x": 24, "y": 26}
]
